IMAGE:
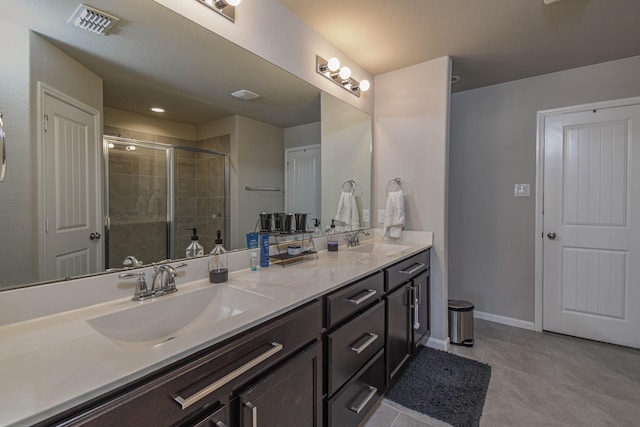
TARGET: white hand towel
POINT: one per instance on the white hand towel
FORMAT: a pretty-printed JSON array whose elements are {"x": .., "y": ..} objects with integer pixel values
[
  {"x": 348, "y": 211},
  {"x": 394, "y": 214}
]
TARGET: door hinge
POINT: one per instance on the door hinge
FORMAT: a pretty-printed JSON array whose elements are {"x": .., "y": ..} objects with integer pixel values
[
  {"x": 46, "y": 225},
  {"x": 46, "y": 122}
]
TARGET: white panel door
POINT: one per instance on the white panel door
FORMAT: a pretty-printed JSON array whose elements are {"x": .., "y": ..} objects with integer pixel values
[
  {"x": 71, "y": 170},
  {"x": 302, "y": 183},
  {"x": 591, "y": 279}
]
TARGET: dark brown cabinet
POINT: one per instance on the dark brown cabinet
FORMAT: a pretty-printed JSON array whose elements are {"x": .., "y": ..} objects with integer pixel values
[
  {"x": 399, "y": 326},
  {"x": 202, "y": 387},
  {"x": 291, "y": 396},
  {"x": 407, "y": 310}
]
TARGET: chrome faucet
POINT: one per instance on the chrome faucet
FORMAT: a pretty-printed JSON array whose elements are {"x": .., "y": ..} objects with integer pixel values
[
  {"x": 353, "y": 239},
  {"x": 164, "y": 278},
  {"x": 164, "y": 281}
]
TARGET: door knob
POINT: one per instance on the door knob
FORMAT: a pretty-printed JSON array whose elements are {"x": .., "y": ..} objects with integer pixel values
[
  {"x": 95, "y": 236},
  {"x": 551, "y": 235}
]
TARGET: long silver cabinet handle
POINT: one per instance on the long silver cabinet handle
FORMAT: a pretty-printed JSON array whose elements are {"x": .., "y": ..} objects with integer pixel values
[
  {"x": 367, "y": 343},
  {"x": 369, "y": 294},
  {"x": 365, "y": 401},
  {"x": 3, "y": 151},
  {"x": 418, "y": 266},
  {"x": 194, "y": 398},
  {"x": 254, "y": 413},
  {"x": 416, "y": 307}
]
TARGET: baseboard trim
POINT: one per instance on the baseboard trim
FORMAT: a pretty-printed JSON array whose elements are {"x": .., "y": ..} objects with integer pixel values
[
  {"x": 504, "y": 320},
  {"x": 438, "y": 344}
]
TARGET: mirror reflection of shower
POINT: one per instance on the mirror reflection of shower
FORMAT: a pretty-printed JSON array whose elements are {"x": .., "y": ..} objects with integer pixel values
[{"x": 156, "y": 193}]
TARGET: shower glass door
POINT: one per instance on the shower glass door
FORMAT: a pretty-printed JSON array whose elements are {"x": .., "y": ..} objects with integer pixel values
[{"x": 138, "y": 201}]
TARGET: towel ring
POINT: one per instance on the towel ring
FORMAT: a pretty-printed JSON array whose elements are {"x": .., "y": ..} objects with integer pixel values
[
  {"x": 353, "y": 186},
  {"x": 397, "y": 182}
]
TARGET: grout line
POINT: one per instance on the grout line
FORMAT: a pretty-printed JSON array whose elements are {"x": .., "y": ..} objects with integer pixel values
[{"x": 396, "y": 418}]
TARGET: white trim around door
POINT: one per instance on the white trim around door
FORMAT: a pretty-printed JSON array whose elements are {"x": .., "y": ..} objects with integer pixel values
[{"x": 540, "y": 155}]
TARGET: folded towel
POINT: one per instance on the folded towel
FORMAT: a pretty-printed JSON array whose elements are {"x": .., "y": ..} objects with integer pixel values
[
  {"x": 394, "y": 215},
  {"x": 348, "y": 211}
]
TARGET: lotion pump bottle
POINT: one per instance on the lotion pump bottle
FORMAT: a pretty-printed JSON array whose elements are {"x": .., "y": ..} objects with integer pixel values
[
  {"x": 218, "y": 263},
  {"x": 332, "y": 238},
  {"x": 195, "y": 248}
]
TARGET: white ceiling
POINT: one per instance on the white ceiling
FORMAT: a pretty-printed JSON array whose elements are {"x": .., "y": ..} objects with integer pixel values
[
  {"x": 154, "y": 56},
  {"x": 491, "y": 41}
]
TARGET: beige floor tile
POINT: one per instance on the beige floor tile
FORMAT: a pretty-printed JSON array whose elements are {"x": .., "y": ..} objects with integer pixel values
[
  {"x": 417, "y": 415},
  {"x": 500, "y": 414},
  {"x": 405, "y": 420},
  {"x": 499, "y": 353},
  {"x": 607, "y": 411},
  {"x": 563, "y": 403},
  {"x": 475, "y": 352},
  {"x": 383, "y": 416},
  {"x": 496, "y": 331},
  {"x": 596, "y": 378}
]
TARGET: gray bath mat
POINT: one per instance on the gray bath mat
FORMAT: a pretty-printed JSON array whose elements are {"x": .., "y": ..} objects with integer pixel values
[{"x": 444, "y": 386}]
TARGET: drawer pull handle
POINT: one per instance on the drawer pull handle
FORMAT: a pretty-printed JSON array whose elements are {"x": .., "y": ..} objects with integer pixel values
[
  {"x": 418, "y": 266},
  {"x": 367, "y": 343},
  {"x": 372, "y": 392},
  {"x": 254, "y": 413},
  {"x": 369, "y": 294},
  {"x": 194, "y": 398}
]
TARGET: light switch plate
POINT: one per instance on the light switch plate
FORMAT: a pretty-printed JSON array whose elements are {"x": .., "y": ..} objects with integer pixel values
[
  {"x": 521, "y": 190},
  {"x": 380, "y": 216},
  {"x": 366, "y": 216}
]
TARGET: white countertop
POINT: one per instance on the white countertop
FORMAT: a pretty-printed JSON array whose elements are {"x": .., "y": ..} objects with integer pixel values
[{"x": 53, "y": 363}]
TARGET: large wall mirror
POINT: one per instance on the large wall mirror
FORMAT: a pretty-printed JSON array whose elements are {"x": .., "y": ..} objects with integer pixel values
[{"x": 87, "y": 156}]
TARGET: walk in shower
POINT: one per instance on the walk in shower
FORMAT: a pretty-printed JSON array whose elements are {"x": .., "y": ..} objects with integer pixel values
[{"x": 156, "y": 194}]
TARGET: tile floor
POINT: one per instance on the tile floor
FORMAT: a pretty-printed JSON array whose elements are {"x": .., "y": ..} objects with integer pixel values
[{"x": 542, "y": 379}]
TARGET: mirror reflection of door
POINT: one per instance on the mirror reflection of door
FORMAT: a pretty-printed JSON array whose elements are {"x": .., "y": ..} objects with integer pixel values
[
  {"x": 72, "y": 244},
  {"x": 302, "y": 181}
]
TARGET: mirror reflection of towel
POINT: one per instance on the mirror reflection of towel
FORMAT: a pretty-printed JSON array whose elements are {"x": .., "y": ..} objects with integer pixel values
[
  {"x": 348, "y": 211},
  {"x": 394, "y": 215}
]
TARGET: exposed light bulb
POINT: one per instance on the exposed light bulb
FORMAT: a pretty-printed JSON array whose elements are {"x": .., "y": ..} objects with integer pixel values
[
  {"x": 364, "y": 85},
  {"x": 131, "y": 148},
  {"x": 333, "y": 64},
  {"x": 111, "y": 145},
  {"x": 345, "y": 73},
  {"x": 157, "y": 109}
]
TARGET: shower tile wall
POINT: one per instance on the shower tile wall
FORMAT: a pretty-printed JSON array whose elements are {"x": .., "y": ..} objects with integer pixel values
[
  {"x": 200, "y": 193},
  {"x": 200, "y": 201}
]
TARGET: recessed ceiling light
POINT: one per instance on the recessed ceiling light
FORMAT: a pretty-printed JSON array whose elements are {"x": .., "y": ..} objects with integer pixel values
[
  {"x": 157, "y": 109},
  {"x": 245, "y": 95}
]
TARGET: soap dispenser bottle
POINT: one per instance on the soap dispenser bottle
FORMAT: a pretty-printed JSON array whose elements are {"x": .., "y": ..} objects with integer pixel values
[
  {"x": 218, "y": 263},
  {"x": 195, "y": 248},
  {"x": 317, "y": 231},
  {"x": 332, "y": 238}
]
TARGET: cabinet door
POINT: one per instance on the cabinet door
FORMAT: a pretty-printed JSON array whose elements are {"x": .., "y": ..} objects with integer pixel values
[
  {"x": 421, "y": 326},
  {"x": 291, "y": 396},
  {"x": 399, "y": 334}
]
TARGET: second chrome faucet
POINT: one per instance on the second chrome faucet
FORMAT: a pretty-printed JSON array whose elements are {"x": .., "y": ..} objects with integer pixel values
[{"x": 163, "y": 282}]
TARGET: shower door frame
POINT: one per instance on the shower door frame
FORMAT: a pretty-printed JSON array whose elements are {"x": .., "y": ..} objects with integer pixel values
[{"x": 171, "y": 191}]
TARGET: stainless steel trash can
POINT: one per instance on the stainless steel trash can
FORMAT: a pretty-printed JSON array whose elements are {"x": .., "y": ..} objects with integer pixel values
[{"x": 461, "y": 322}]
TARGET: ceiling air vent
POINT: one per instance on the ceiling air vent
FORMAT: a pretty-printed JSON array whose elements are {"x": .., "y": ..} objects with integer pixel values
[{"x": 94, "y": 20}]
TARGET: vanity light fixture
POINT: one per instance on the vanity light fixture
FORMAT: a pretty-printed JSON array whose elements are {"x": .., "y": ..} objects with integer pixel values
[
  {"x": 157, "y": 109},
  {"x": 341, "y": 76},
  {"x": 226, "y": 8}
]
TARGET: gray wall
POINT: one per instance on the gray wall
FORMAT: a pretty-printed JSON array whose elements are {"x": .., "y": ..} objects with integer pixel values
[
  {"x": 493, "y": 147},
  {"x": 303, "y": 135}
]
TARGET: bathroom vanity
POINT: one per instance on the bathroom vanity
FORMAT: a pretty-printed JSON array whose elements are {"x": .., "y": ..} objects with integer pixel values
[{"x": 314, "y": 344}]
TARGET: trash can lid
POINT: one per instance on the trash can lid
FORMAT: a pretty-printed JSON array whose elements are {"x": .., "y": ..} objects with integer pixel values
[{"x": 460, "y": 305}]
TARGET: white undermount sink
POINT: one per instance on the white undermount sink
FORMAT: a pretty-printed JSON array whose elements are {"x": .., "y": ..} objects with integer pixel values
[
  {"x": 379, "y": 248},
  {"x": 165, "y": 317}
]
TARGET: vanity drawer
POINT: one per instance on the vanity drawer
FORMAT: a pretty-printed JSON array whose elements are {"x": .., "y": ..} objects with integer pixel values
[
  {"x": 183, "y": 395},
  {"x": 405, "y": 270},
  {"x": 352, "y": 404},
  {"x": 353, "y": 345},
  {"x": 353, "y": 298}
]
